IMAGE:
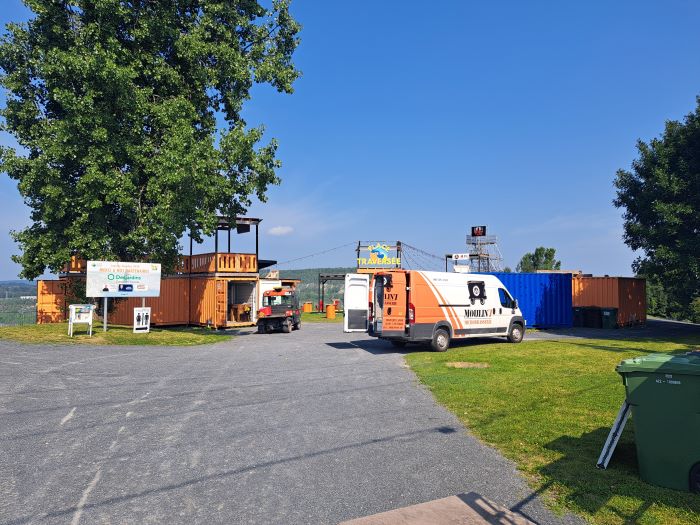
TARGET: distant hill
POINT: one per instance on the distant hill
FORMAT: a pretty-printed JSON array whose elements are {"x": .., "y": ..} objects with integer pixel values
[
  {"x": 308, "y": 289},
  {"x": 17, "y": 288}
]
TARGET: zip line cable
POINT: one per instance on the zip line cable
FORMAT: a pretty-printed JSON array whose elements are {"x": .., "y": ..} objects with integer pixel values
[{"x": 354, "y": 243}]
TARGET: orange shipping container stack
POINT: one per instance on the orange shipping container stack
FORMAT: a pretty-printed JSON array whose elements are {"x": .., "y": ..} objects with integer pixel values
[{"x": 627, "y": 294}]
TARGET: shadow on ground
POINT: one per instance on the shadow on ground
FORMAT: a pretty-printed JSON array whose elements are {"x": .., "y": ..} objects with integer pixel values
[
  {"x": 618, "y": 489},
  {"x": 654, "y": 329}
]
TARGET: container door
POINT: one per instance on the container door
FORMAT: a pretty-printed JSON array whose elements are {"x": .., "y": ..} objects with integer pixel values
[
  {"x": 220, "y": 304},
  {"x": 356, "y": 304}
]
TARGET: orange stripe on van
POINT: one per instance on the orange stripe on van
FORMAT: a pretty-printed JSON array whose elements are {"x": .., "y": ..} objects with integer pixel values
[{"x": 450, "y": 313}]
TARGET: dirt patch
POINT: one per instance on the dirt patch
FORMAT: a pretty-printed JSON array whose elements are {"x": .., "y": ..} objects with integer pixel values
[{"x": 466, "y": 364}]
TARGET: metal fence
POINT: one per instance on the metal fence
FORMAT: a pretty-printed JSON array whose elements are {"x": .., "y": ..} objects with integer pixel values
[{"x": 17, "y": 311}]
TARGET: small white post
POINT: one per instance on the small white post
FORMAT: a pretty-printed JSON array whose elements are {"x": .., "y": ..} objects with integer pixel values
[{"x": 105, "y": 316}]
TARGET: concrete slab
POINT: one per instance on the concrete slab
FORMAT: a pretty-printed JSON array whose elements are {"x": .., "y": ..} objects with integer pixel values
[{"x": 463, "y": 509}]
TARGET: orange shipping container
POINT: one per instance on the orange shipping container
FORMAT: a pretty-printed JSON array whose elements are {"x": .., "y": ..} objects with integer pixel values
[
  {"x": 201, "y": 301},
  {"x": 50, "y": 301},
  {"x": 627, "y": 294}
]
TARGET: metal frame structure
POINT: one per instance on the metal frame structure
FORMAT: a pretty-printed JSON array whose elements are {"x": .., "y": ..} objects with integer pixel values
[{"x": 323, "y": 278}]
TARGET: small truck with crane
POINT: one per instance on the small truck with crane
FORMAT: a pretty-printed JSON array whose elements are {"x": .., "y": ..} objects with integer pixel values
[{"x": 280, "y": 311}]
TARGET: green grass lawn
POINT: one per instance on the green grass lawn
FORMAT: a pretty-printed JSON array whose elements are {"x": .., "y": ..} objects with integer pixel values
[
  {"x": 115, "y": 335},
  {"x": 549, "y": 405},
  {"x": 316, "y": 317}
]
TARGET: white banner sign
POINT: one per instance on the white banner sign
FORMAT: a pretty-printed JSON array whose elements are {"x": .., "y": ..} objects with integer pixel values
[
  {"x": 460, "y": 257},
  {"x": 122, "y": 279}
]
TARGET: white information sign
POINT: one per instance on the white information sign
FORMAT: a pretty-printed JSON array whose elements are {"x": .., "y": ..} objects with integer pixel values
[
  {"x": 460, "y": 257},
  {"x": 80, "y": 314},
  {"x": 142, "y": 320},
  {"x": 122, "y": 279}
]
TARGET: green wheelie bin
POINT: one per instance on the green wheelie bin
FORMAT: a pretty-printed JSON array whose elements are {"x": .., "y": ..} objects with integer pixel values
[{"x": 664, "y": 393}]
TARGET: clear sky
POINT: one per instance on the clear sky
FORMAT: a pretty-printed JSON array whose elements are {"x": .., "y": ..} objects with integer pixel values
[{"x": 414, "y": 121}]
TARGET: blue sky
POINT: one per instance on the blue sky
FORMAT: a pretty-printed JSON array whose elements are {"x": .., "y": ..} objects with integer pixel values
[{"x": 414, "y": 121}]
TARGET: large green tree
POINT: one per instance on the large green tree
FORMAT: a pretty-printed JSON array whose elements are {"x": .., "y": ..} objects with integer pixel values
[
  {"x": 541, "y": 259},
  {"x": 660, "y": 196},
  {"x": 129, "y": 117}
]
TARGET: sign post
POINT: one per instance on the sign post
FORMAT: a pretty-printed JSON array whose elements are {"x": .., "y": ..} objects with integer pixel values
[
  {"x": 104, "y": 317},
  {"x": 122, "y": 279}
]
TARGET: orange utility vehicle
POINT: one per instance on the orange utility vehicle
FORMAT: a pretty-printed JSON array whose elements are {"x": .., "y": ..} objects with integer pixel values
[
  {"x": 280, "y": 311},
  {"x": 432, "y": 307}
]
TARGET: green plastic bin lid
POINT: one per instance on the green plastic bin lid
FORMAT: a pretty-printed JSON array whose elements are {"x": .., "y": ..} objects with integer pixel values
[{"x": 688, "y": 363}]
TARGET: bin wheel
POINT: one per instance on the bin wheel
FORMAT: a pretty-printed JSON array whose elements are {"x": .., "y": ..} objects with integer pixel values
[
  {"x": 287, "y": 326},
  {"x": 516, "y": 333},
  {"x": 695, "y": 478},
  {"x": 441, "y": 340}
]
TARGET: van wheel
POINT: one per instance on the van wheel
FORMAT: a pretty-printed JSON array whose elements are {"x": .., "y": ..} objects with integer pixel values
[
  {"x": 398, "y": 344},
  {"x": 516, "y": 333},
  {"x": 441, "y": 340},
  {"x": 287, "y": 326},
  {"x": 695, "y": 478}
]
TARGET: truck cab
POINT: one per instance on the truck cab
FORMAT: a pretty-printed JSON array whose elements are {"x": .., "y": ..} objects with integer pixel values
[{"x": 280, "y": 311}]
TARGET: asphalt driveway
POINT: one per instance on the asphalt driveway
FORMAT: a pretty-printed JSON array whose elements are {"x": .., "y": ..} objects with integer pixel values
[{"x": 315, "y": 426}]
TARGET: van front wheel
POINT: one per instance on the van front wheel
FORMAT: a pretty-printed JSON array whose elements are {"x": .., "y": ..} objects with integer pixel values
[
  {"x": 516, "y": 333},
  {"x": 441, "y": 340}
]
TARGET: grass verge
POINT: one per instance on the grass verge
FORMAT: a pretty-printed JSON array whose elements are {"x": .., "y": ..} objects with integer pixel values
[
  {"x": 317, "y": 317},
  {"x": 548, "y": 406},
  {"x": 115, "y": 335}
]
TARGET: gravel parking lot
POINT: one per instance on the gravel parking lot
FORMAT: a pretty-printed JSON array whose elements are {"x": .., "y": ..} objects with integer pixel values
[{"x": 315, "y": 426}]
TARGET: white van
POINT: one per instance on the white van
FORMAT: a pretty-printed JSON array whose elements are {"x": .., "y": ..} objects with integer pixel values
[{"x": 435, "y": 307}]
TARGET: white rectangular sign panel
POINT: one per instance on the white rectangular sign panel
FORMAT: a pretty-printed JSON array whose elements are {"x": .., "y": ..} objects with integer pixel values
[
  {"x": 142, "y": 320},
  {"x": 460, "y": 257},
  {"x": 122, "y": 279}
]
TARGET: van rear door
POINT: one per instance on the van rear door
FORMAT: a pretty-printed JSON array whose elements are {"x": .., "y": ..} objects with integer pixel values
[
  {"x": 356, "y": 301},
  {"x": 395, "y": 303}
]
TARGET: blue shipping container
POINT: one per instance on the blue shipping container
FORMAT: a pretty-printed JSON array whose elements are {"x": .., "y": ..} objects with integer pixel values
[{"x": 544, "y": 298}]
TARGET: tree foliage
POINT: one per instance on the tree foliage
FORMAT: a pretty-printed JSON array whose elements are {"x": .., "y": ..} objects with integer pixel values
[
  {"x": 661, "y": 201},
  {"x": 129, "y": 117},
  {"x": 541, "y": 259}
]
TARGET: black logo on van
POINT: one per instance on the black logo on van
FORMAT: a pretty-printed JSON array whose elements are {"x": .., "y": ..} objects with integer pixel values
[{"x": 477, "y": 291}]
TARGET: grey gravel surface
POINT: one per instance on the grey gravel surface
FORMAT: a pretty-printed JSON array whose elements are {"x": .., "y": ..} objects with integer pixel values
[{"x": 311, "y": 427}]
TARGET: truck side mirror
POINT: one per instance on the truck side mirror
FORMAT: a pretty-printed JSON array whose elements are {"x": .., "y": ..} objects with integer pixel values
[{"x": 515, "y": 304}]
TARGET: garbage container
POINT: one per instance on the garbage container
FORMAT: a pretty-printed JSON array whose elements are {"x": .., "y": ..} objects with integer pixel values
[
  {"x": 330, "y": 311},
  {"x": 308, "y": 307},
  {"x": 592, "y": 317},
  {"x": 578, "y": 316},
  {"x": 663, "y": 391},
  {"x": 608, "y": 317}
]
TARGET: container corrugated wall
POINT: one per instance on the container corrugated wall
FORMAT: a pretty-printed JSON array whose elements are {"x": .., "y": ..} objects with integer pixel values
[
  {"x": 544, "y": 298},
  {"x": 50, "y": 301},
  {"x": 627, "y": 294},
  {"x": 168, "y": 309}
]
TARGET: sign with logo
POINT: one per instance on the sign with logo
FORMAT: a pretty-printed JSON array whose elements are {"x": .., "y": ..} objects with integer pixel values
[
  {"x": 460, "y": 257},
  {"x": 478, "y": 231},
  {"x": 80, "y": 314},
  {"x": 142, "y": 320},
  {"x": 379, "y": 255},
  {"x": 122, "y": 279}
]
